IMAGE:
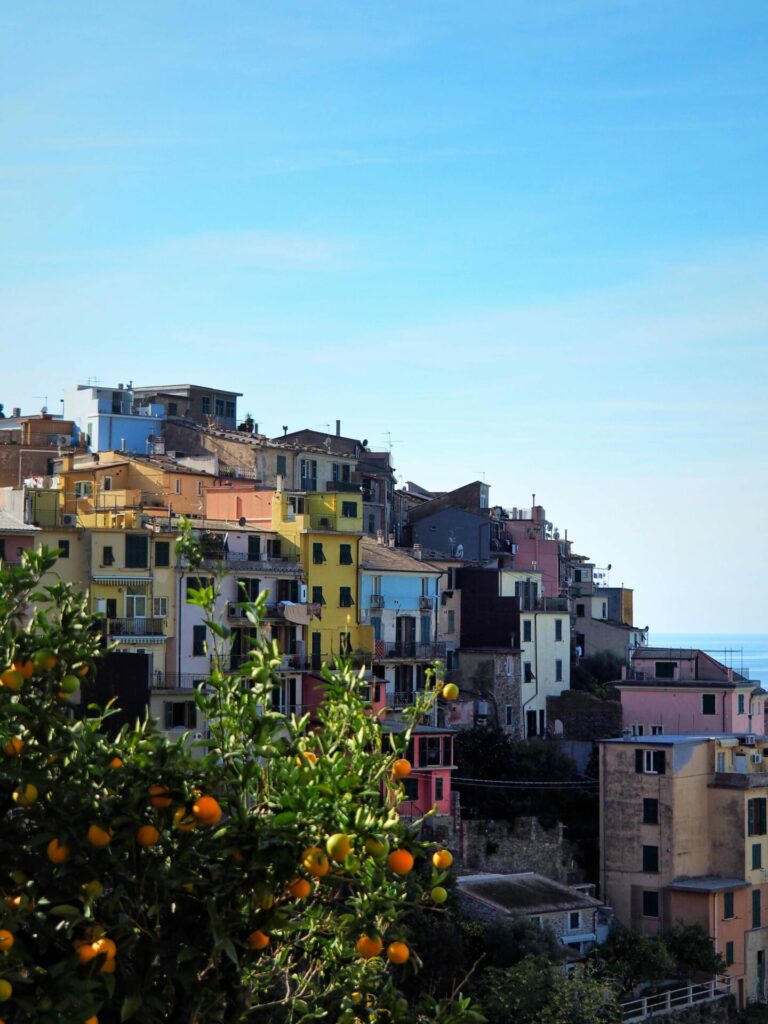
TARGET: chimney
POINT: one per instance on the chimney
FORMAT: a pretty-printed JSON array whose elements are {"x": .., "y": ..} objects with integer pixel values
[
  {"x": 119, "y": 387},
  {"x": 417, "y": 551},
  {"x": 391, "y": 541},
  {"x": 379, "y": 536},
  {"x": 338, "y": 428},
  {"x": 16, "y": 412},
  {"x": 122, "y": 444},
  {"x": 68, "y": 462},
  {"x": 279, "y": 483}
]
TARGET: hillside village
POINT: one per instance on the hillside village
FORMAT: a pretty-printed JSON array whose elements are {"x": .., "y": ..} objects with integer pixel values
[{"x": 660, "y": 819}]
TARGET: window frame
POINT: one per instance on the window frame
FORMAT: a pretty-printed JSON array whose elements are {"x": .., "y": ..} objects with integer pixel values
[
  {"x": 650, "y": 810},
  {"x": 711, "y": 701},
  {"x": 199, "y": 641},
  {"x": 318, "y": 555},
  {"x": 345, "y": 554},
  {"x": 650, "y": 852},
  {"x": 349, "y": 510},
  {"x": 650, "y": 898},
  {"x": 162, "y": 551},
  {"x": 346, "y": 599},
  {"x": 136, "y": 551}
]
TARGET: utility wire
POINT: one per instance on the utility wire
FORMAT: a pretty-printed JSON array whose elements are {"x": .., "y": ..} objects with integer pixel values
[{"x": 523, "y": 784}]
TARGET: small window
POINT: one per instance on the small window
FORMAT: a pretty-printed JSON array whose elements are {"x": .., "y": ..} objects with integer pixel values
[
  {"x": 274, "y": 548},
  {"x": 657, "y": 730},
  {"x": 106, "y": 483},
  {"x": 728, "y": 953},
  {"x": 558, "y": 671},
  {"x": 177, "y": 485},
  {"x": 230, "y": 409},
  {"x": 318, "y": 557},
  {"x": 650, "y": 904},
  {"x": 108, "y": 556},
  {"x": 199, "y": 488},
  {"x": 558, "y": 629},
  {"x": 727, "y": 905},
  {"x": 198, "y": 641},
  {"x": 577, "y": 575},
  {"x": 196, "y": 583},
  {"x": 63, "y": 547},
  {"x": 254, "y": 547},
  {"x": 160, "y": 607},
  {"x": 219, "y": 406},
  {"x": 580, "y": 611},
  {"x": 756, "y": 915},
  {"x": 708, "y": 704},
  {"x": 756, "y": 821},
  {"x": 651, "y": 858},
  {"x": 82, "y": 489},
  {"x": 450, "y": 621},
  {"x": 650, "y": 811},
  {"x": 439, "y": 788},
  {"x": 527, "y": 672},
  {"x": 173, "y": 408},
  {"x": 349, "y": 510},
  {"x": 345, "y": 554},
  {"x": 180, "y": 714},
  {"x": 206, "y": 405},
  {"x": 574, "y": 920},
  {"x": 317, "y": 596},
  {"x": 757, "y": 856},
  {"x": 281, "y": 467},
  {"x": 345, "y": 644},
  {"x": 345, "y": 597},
  {"x": 162, "y": 553},
  {"x": 509, "y": 716},
  {"x": 136, "y": 551},
  {"x": 665, "y": 669},
  {"x": 741, "y": 703},
  {"x": 527, "y": 631},
  {"x": 411, "y": 787},
  {"x": 650, "y": 762}
]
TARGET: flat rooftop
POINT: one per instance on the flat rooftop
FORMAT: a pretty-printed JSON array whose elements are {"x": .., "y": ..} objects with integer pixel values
[{"x": 526, "y": 892}]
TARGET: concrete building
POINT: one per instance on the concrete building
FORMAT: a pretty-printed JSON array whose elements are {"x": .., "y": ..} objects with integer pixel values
[
  {"x": 113, "y": 418},
  {"x": 210, "y": 407},
  {"x": 29, "y": 446}
]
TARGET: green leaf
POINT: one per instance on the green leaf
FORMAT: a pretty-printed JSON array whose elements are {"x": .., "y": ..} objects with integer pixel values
[{"x": 131, "y": 1004}]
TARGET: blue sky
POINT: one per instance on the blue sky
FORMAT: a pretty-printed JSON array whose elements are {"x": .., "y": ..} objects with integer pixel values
[{"x": 524, "y": 241}]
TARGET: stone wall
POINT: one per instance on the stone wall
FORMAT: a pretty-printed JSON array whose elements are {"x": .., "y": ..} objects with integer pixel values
[
  {"x": 512, "y": 846},
  {"x": 582, "y": 716}
]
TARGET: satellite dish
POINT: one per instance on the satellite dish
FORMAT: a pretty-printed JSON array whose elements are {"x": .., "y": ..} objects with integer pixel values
[
  {"x": 365, "y": 442},
  {"x": 241, "y": 521}
]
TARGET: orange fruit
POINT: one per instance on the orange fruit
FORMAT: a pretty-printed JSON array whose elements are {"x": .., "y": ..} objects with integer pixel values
[
  {"x": 442, "y": 859},
  {"x": 13, "y": 747},
  {"x": 25, "y": 797},
  {"x": 116, "y": 762},
  {"x": 369, "y": 946},
  {"x": 6, "y": 940},
  {"x": 25, "y": 666},
  {"x": 85, "y": 951},
  {"x": 308, "y": 756},
  {"x": 98, "y": 836},
  {"x": 92, "y": 1020},
  {"x": 184, "y": 820},
  {"x": 13, "y": 902},
  {"x": 12, "y": 680},
  {"x": 315, "y": 862},
  {"x": 299, "y": 888},
  {"x": 158, "y": 796},
  {"x": 147, "y": 835},
  {"x": 450, "y": 691},
  {"x": 401, "y": 768},
  {"x": 400, "y": 861},
  {"x": 338, "y": 846},
  {"x": 207, "y": 810},
  {"x": 439, "y": 894},
  {"x": 397, "y": 952},
  {"x": 81, "y": 669},
  {"x": 92, "y": 889},
  {"x": 6, "y": 990},
  {"x": 109, "y": 966},
  {"x": 378, "y": 848},
  {"x": 257, "y": 940},
  {"x": 45, "y": 661},
  {"x": 58, "y": 852},
  {"x": 69, "y": 684}
]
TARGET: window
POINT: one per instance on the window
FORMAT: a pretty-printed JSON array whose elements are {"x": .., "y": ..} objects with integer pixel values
[
  {"x": 345, "y": 644},
  {"x": 650, "y": 811},
  {"x": 308, "y": 474},
  {"x": 527, "y": 631},
  {"x": 727, "y": 905},
  {"x": 136, "y": 606},
  {"x": 345, "y": 597},
  {"x": 160, "y": 607},
  {"x": 574, "y": 920},
  {"x": 728, "y": 953},
  {"x": 426, "y": 629},
  {"x": 720, "y": 761},
  {"x": 757, "y": 856},
  {"x": 136, "y": 551},
  {"x": 755, "y": 908},
  {"x": 318, "y": 557},
  {"x": 650, "y": 904},
  {"x": 229, "y": 409},
  {"x": 376, "y": 623},
  {"x": 650, "y": 762},
  {"x": 651, "y": 858},
  {"x": 558, "y": 629},
  {"x": 430, "y": 751},
  {"x": 371, "y": 522},
  {"x": 206, "y": 405},
  {"x": 198, "y": 641},
  {"x": 106, "y": 483},
  {"x": 180, "y": 714},
  {"x": 527, "y": 672},
  {"x": 219, "y": 406},
  {"x": 63, "y": 546},
  {"x": 605, "y": 609},
  {"x": 657, "y": 730},
  {"x": 162, "y": 553},
  {"x": 580, "y": 611},
  {"x": 317, "y": 595},
  {"x": 708, "y": 704},
  {"x": 83, "y": 489},
  {"x": 349, "y": 510},
  {"x": 450, "y": 621},
  {"x": 173, "y": 409},
  {"x": 281, "y": 465},
  {"x": 509, "y": 714},
  {"x": 199, "y": 488},
  {"x": 558, "y": 671},
  {"x": 741, "y": 703},
  {"x": 438, "y": 789},
  {"x": 411, "y": 787},
  {"x": 177, "y": 485},
  {"x": 345, "y": 554},
  {"x": 274, "y": 548},
  {"x": 108, "y": 555},
  {"x": 756, "y": 822},
  {"x": 254, "y": 547}
]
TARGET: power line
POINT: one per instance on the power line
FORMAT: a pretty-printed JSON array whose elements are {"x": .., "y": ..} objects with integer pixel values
[{"x": 524, "y": 784}]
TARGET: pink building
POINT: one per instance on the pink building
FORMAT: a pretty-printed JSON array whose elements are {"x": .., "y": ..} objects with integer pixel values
[
  {"x": 685, "y": 692},
  {"x": 15, "y": 538},
  {"x": 534, "y": 551},
  {"x": 431, "y": 755}
]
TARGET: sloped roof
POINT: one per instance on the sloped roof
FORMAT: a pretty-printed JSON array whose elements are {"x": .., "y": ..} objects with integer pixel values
[
  {"x": 382, "y": 557},
  {"x": 10, "y": 524},
  {"x": 528, "y": 893}
]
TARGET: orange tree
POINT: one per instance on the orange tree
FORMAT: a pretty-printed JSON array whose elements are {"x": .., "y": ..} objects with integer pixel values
[{"x": 265, "y": 876}]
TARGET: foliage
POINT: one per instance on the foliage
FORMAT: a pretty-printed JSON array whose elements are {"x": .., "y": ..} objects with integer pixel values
[
  {"x": 510, "y": 939},
  {"x": 204, "y": 924},
  {"x": 595, "y": 671},
  {"x": 535, "y": 992},
  {"x": 632, "y": 958},
  {"x": 693, "y": 951}
]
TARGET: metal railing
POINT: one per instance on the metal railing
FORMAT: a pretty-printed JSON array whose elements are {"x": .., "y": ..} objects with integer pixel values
[
  {"x": 176, "y": 680},
  {"x": 239, "y": 561},
  {"x": 136, "y": 627},
  {"x": 343, "y": 487},
  {"x": 675, "y": 999},
  {"x": 326, "y": 521},
  {"x": 377, "y": 601},
  {"x": 413, "y": 652}
]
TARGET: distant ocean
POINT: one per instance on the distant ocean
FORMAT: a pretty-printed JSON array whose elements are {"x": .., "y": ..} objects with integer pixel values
[{"x": 744, "y": 652}]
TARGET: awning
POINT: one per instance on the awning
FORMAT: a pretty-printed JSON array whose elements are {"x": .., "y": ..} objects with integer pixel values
[{"x": 117, "y": 581}]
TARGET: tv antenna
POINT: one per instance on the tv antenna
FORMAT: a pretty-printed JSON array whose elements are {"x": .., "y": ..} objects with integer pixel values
[{"x": 390, "y": 442}]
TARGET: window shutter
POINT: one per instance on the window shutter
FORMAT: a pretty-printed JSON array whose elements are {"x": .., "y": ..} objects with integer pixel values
[
  {"x": 168, "y": 705},
  {"x": 659, "y": 762},
  {"x": 639, "y": 761}
]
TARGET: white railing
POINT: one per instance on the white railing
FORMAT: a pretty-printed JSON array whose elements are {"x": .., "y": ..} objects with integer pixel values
[{"x": 675, "y": 999}]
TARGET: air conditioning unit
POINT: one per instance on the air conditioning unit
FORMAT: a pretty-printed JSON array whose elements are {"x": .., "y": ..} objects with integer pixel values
[
  {"x": 749, "y": 740},
  {"x": 303, "y": 593},
  {"x": 756, "y": 758},
  {"x": 68, "y": 519},
  {"x": 482, "y": 707}
]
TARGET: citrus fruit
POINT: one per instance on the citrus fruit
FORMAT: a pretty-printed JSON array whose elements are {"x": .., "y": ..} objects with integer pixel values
[
  {"x": 6, "y": 990},
  {"x": 69, "y": 684},
  {"x": 57, "y": 852},
  {"x": 315, "y": 862},
  {"x": 307, "y": 756},
  {"x": 109, "y": 966},
  {"x": 257, "y": 940},
  {"x": 12, "y": 680},
  {"x": 397, "y": 952},
  {"x": 26, "y": 796},
  {"x": 6, "y": 940},
  {"x": 116, "y": 762},
  {"x": 45, "y": 660},
  {"x": 442, "y": 859},
  {"x": 85, "y": 951},
  {"x": 400, "y": 861},
  {"x": 25, "y": 666},
  {"x": 92, "y": 1020},
  {"x": 369, "y": 946},
  {"x": 299, "y": 888},
  {"x": 13, "y": 747},
  {"x": 147, "y": 835},
  {"x": 98, "y": 836},
  {"x": 338, "y": 846},
  {"x": 450, "y": 691},
  {"x": 184, "y": 820},
  {"x": 439, "y": 894},
  {"x": 207, "y": 810},
  {"x": 158, "y": 796},
  {"x": 401, "y": 768},
  {"x": 92, "y": 889},
  {"x": 377, "y": 847}
]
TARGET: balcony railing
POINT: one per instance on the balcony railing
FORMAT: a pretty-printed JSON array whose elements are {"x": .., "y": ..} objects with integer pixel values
[
  {"x": 326, "y": 521},
  {"x": 239, "y": 561},
  {"x": 377, "y": 601},
  {"x": 136, "y": 627},
  {"x": 675, "y": 999},
  {"x": 176, "y": 680},
  {"x": 409, "y": 652}
]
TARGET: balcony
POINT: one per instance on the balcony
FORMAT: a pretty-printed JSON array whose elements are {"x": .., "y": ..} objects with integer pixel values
[
  {"x": 136, "y": 627},
  {"x": 403, "y": 698},
  {"x": 409, "y": 652},
  {"x": 176, "y": 681},
  {"x": 240, "y": 561},
  {"x": 426, "y": 604},
  {"x": 343, "y": 487}
]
